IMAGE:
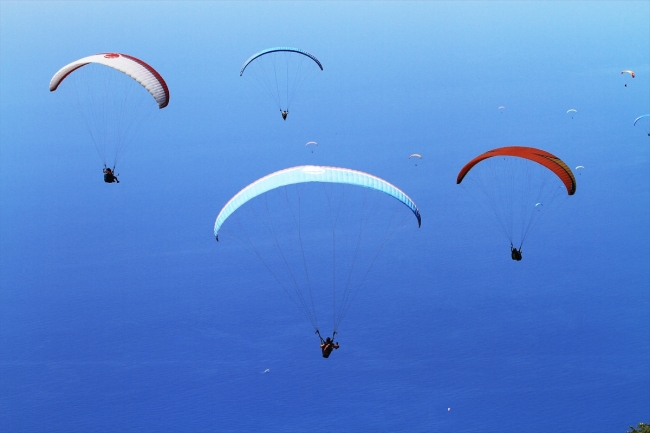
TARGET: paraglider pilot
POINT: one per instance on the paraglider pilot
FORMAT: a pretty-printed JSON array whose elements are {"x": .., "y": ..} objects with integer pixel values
[
  {"x": 284, "y": 114},
  {"x": 515, "y": 253},
  {"x": 109, "y": 176},
  {"x": 327, "y": 345}
]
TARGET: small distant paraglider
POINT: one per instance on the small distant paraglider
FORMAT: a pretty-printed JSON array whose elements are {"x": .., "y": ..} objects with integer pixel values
[
  {"x": 571, "y": 110},
  {"x": 639, "y": 118},
  {"x": 627, "y": 71},
  {"x": 268, "y": 370},
  {"x": 415, "y": 155},
  {"x": 311, "y": 143},
  {"x": 501, "y": 108},
  {"x": 279, "y": 72},
  {"x": 579, "y": 172}
]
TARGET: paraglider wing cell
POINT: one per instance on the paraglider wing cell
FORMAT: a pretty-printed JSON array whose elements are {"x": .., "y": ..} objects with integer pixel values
[
  {"x": 546, "y": 159},
  {"x": 310, "y": 173},
  {"x": 135, "y": 68}
]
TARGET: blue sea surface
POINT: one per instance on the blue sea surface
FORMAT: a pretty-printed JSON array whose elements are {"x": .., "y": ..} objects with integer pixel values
[{"x": 120, "y": 312}]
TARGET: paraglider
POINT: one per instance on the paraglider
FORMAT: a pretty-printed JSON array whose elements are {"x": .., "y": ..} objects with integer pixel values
[
  {"x": 283, "y": 219},
  {"x": 627, "y": 71},
  {"x": 280, "y": 72},
  {"x": 110, "y": 92},
  {"x": 416, "y": 155},
  {"x": 508, "y": 184},
  {"x": 578, "y": 167},
  {"x": 311, "y": 143},
  {"x": 571, "y": 110}
]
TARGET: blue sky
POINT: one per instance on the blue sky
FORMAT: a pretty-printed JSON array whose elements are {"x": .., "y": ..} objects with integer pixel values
[{"x": 119, "y": 312}]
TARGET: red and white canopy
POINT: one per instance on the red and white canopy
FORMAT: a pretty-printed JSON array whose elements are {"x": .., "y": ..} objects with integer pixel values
[{"x": 135, "y": 68}]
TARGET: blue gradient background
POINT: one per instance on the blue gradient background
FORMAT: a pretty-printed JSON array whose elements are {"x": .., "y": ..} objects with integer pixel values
[{"x": 119, "y": 312}]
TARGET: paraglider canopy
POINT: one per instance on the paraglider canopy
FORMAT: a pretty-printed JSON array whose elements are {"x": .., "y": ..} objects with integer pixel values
[
  {"x": 628, "y": 72},
  {"x": 571, "y": 110},
  {"x": 546, "y": 159},
  {"x": 311, "y": 173},
  {"x": 640, "y": 117},
  {"x": 312, "y": 143},
  {"x": 129, "y": 65},
  {"x": 275, "y": 50},
  {"x": 415, "y": 155}
]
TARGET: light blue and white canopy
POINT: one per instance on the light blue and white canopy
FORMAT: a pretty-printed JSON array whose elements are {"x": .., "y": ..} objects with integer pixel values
[
  {"x": 275, "y": 50},
  {"x": 640, "y": 117},
  {"x": 311, "y": 173}
]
